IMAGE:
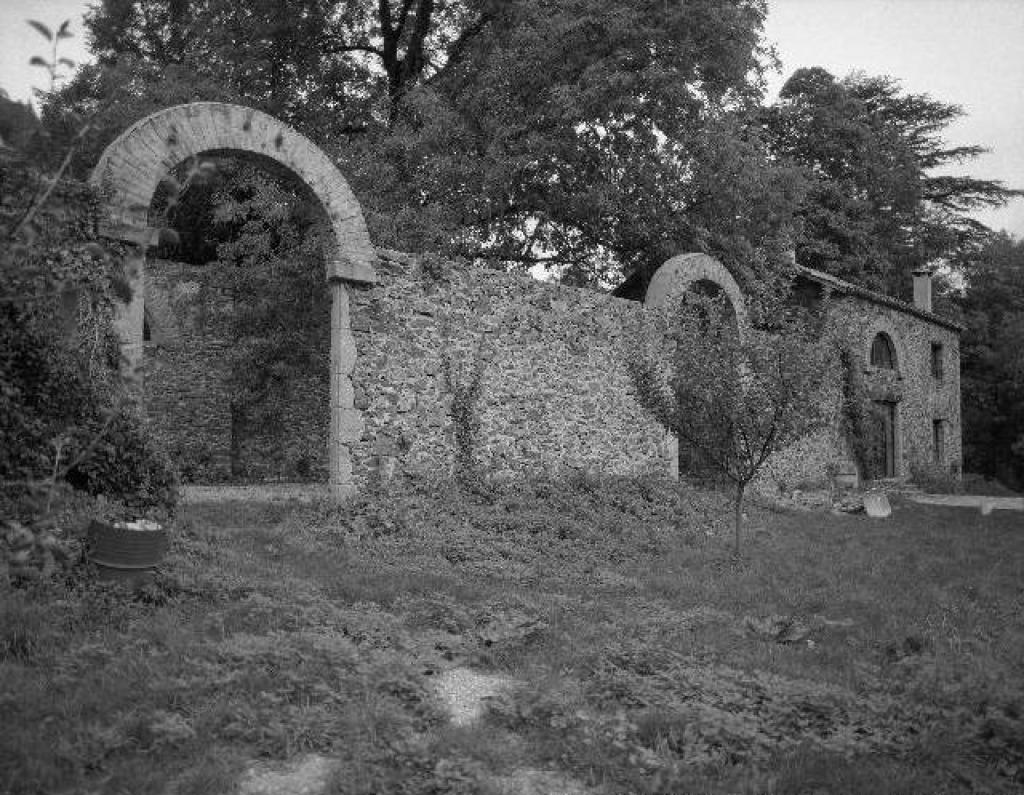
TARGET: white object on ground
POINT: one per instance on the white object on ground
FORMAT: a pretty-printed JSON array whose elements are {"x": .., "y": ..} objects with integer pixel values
[
  {"x": 528, "y": 781},
  {"x": 462, "y": 691},
  {"x": 876, "y": 505},
  {"x": 306, "y": 775},
  {"x": 139, "y": 524}
]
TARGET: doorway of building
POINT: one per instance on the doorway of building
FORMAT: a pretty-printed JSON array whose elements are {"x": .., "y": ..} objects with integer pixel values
[{"x": 884, "y": 464}]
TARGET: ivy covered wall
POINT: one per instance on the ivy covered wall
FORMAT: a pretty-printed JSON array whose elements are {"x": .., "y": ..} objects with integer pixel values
[{"x": 554, "y": 389}]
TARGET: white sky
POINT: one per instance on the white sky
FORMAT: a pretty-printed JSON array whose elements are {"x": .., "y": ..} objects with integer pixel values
[{"x": 967, "y": 52}]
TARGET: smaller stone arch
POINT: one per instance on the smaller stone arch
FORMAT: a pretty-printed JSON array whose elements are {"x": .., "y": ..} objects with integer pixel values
[
  {"x": 672, "y": 279},
  {"x": 678, "y": 273}
]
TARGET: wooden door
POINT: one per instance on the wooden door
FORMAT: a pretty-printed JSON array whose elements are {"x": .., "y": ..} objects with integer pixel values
[{"x": 885, "y": 413}]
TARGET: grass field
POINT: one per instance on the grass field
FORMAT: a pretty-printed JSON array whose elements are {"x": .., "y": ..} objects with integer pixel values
[{"x": 646, "y": 655}]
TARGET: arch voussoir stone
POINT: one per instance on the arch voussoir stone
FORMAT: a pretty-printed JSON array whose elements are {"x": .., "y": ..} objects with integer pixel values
[
  {"x": 679, "y": 272},
  {"x": 132, "y": 167}
]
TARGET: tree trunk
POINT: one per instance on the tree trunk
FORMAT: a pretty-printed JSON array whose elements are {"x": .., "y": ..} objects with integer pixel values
[{"x": 739, "y": 518}]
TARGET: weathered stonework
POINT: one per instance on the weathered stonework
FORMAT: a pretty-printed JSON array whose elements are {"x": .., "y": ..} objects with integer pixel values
[
  {"x": 556, "y": 392},
  {"x": 920, "y": 399}
]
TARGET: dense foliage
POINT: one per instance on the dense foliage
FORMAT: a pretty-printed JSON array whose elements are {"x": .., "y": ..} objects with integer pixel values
[
  {"x": 876, "y": 209},
  {"x": 992, "y": 355},
  {"x": 63, "y": 409},
  {"x": 584, "y": 135}
]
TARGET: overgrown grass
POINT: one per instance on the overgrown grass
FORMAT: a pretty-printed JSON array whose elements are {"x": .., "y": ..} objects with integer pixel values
[{"x": 279, "y": 630}]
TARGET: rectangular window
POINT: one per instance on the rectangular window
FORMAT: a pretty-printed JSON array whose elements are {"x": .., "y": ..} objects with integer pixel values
[
  {"x": 937, "y": 372},
  {"x": 939, "y": 440}
]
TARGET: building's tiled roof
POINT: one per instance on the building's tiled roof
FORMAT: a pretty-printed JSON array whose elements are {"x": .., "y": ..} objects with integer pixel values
[
  {"x": 882, "y": 299},
  {"x": 633, "y": 288}
]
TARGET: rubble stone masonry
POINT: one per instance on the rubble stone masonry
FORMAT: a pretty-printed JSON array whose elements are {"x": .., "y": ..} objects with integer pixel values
[{"x": 556, "y": 392}]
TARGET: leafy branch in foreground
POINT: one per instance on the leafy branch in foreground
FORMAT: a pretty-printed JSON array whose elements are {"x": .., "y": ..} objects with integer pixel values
[
  {"x": 735, "y": 396},
  {"x": 53, "y": 65},
  {"x": 65, "y": 388}
]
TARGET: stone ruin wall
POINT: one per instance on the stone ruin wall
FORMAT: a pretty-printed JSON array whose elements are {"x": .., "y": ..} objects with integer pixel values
[
  {"x": 555, "y": 390},
  {"x": 556, "y": 393}
]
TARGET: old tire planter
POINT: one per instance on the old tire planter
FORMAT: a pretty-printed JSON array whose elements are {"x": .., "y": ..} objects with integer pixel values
[{"x": 125, "y": 552}]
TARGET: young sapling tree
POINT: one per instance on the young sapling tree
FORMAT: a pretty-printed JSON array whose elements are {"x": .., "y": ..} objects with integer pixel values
[{"x": 734, "y": 395}]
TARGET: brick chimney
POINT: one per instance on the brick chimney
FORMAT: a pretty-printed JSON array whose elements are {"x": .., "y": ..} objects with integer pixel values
[{"x": 923, "y": 289}]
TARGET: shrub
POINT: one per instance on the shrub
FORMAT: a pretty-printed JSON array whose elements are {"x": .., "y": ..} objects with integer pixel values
[
  {"x": 30, "y": 552},
  {"x": 62, "y": 390},
  {"x": 126, "y": 465}
]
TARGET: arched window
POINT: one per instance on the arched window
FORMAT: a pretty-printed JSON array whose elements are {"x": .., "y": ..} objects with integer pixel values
[{"x": 883, "y": 354}]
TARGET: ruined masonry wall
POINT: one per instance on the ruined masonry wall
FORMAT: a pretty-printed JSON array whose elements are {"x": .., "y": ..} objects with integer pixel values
[{"x": 556, "y": 392}]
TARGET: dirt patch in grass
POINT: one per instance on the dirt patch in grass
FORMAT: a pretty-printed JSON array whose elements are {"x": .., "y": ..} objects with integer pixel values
[{"x": 281, "y": 633}]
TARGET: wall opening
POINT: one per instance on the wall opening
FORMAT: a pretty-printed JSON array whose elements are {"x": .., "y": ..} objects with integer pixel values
[
  {"x": 883, "y": 447},
  {"x": 938, "y": 370},
  {"x": 245, "y": 396}
]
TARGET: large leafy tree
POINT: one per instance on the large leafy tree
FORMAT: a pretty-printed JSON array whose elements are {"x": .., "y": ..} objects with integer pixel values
[
  {"x": 879, "y": 204},
  {"x": 587, "y": 135},
  {"x": 992, "y": 356}
]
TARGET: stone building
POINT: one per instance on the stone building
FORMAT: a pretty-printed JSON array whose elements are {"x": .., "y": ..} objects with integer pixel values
[
  {"x": 906, "y": 358},
  {"x": 406, "y": 332}
]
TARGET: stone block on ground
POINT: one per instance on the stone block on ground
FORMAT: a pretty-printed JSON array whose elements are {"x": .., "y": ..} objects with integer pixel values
[
  {"x": 876, "y": 505},
  {"x": 307, "y": 775}
]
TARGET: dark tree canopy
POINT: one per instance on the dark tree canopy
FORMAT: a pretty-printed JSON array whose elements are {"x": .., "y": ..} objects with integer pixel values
[
  {"x": 992, "y": 360},
  {"x": 876, "y": 209},
  {"x": 593, "y": 136}
]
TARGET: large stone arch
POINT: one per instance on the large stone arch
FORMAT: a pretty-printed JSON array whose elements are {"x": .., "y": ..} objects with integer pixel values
[
  {"x": 131, "y": 168},
  {"x": 667, "y": 283}
]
